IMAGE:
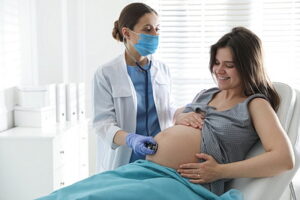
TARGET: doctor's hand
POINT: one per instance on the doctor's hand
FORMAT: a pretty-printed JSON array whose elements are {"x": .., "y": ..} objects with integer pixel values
[
  {"x": 138, "y": 143},
  {"x": 204, "y": 172},
  {"x": 192, "y": 119}
]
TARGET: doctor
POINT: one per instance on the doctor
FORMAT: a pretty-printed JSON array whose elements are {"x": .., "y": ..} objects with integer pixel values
[{"x": 131, "y": 93}]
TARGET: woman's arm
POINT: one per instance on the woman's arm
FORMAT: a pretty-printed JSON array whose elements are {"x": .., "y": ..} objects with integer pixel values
[
  {"x": 278, "y": 155},
  {"x": 177, "y": 113}
]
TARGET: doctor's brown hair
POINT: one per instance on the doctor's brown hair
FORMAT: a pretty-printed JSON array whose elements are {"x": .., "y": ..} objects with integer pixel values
[
  {"x": 129, "y": 17},
  {"x": 246, "y": 49}
]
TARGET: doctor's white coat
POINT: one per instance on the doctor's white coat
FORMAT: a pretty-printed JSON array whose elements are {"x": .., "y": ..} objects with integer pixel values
[{"x": 115, "y": 108}]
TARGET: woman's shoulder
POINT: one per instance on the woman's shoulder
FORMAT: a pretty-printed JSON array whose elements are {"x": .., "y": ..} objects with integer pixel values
[
  {"x": 116, "y": 61},
  {"x": 159, "y": 63},
  {"x": 212, "y": 90},
  {"x": 209, "y": 91},
  {"x": 205, "y": 93},
  {"x": 256, "y": 99},
  {"x": 111, "y": 65},
  {"x": 260, "y": 107}
]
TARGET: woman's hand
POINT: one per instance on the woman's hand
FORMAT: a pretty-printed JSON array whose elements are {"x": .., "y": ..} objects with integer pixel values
[
  {"x": 204, "y": 172},
  {"x": 190, "y": 119}
]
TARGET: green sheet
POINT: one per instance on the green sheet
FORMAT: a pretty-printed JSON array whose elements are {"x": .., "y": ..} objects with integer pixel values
[{"x": 141, "y": 180}]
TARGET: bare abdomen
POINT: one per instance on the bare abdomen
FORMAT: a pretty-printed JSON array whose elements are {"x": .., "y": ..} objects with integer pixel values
[{"x": 177, "y": 145}]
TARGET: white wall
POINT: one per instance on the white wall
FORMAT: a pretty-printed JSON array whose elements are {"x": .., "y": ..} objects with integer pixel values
[
  {"x": 15, "y": 40},
  {"x": 73, "y": 39},
  {"x": 66, "y": 40},
  {"x": 100, "y": 47},
  {"x": 49, "y": 41}
]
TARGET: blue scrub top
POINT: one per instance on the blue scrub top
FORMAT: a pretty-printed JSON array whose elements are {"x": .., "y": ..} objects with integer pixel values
[{"x": 138, "y": 79}]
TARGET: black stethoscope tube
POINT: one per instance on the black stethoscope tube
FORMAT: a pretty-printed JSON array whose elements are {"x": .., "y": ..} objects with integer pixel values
[{"x": 146, "y": 93}]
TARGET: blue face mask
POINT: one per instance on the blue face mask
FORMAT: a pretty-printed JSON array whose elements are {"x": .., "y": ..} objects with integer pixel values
[{"x": 147, "y": 44}]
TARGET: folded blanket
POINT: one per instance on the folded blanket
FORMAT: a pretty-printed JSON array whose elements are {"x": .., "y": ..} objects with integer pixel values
[{"x": 141, "y": 180}]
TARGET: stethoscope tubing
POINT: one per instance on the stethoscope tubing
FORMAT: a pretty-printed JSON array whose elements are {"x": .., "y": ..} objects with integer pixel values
[
  {"x": 146, "y": 93},
  {"x": 146, "y": 86}
]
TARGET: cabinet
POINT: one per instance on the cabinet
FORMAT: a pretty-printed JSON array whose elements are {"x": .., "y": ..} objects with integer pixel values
[{"x": 36, "y": 161}]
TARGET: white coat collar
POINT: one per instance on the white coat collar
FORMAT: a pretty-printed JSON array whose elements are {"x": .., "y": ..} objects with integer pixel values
[
  {"x": 122, "y": 84},
  {"x": 122, "y": 59},
  {"x": 155, "y": 73}
]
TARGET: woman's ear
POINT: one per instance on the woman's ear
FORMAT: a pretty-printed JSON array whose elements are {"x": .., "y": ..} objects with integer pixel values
[{"x": 125, "y": 33}]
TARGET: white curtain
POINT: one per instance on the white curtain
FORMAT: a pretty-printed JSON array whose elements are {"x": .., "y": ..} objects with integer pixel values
[
  {"x": 10, "y": 43},
  {"x": 280, "y": 32},
  {"x": 189, "y": 27}
]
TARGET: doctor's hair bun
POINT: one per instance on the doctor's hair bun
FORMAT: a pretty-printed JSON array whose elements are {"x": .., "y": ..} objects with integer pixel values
[
  {"x": 116, "y": 33},
  {"x": 129, "y": 17}
]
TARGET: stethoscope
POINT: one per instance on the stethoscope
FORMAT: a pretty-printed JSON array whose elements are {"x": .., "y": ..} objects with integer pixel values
[
  {"x": 146, "y": 71},
  {"x": 151, "y": 146},
  {"x": 146, "y": 91}
]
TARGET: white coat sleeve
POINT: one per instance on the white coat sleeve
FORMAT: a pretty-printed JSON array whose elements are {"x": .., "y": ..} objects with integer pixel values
[{"x": 104, "y": 116}]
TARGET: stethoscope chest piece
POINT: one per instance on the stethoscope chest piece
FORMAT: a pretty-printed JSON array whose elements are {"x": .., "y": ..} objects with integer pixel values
[{"x": 151, "y": 146}]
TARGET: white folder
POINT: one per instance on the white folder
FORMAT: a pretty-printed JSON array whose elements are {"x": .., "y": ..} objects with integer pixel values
[
  {"x": 61, "y": 103},
  {"x": 71, "y": 94},
  {"x": 81, "y": 101},
  {"x": 52, "y": 94}
]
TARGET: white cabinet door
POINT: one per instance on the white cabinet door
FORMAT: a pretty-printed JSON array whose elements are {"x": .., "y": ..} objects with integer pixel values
[
  {"x": 83, "y": 150},
  {"x": 34, "y": 163},
  {"x": 26, "y": 168}
]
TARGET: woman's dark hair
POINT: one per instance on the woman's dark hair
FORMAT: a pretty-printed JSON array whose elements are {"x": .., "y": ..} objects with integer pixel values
[
  {"x": 246, "y": 49},
  {"x": 129, "y": 17}
]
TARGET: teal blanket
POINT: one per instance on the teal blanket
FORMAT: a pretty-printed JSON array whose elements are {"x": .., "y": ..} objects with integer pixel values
[{"x": 141, "y": 180}]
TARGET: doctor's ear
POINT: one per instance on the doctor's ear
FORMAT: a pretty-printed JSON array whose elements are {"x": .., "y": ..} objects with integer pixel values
[{"x": 125, "y": 33}]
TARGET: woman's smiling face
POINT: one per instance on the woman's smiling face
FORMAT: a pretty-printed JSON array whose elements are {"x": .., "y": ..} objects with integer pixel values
[{"x": 225, "y": 71}]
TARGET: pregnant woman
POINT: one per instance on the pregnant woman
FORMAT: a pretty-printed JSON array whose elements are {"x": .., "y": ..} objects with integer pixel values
[{"x": 238, "y": 113}]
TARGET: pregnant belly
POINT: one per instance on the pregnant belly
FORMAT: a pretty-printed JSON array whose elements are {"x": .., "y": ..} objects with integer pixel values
[{"x": 177, "y": 145}]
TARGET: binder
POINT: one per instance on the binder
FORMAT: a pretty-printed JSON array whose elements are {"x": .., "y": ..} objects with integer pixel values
[
  {"x": 80, "y": 101},
  {"x": 61, "y": 115},
  {"x": 71, "y": 94}
]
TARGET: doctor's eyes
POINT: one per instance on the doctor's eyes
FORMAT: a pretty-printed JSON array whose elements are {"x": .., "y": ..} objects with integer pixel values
[{"x": 151, "y": 29}]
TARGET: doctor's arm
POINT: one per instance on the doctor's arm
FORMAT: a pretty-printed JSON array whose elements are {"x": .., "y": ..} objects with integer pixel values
[
  {"x": 105, "y": 121},
  {"x": 104, "y": 116},
  {"x": 278, "y": 155}
]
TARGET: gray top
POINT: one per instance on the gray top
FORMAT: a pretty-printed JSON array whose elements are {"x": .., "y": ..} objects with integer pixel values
[{"x": 226, "y": 135}]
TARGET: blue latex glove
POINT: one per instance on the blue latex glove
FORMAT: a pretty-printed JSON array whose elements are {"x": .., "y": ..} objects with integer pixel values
[{"x": 137, "y": 143}]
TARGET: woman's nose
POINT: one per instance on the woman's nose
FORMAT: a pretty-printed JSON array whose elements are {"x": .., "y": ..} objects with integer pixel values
[{"x": 220, "y": 69}]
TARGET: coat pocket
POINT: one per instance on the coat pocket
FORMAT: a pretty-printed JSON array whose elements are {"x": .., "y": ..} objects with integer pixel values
[{"x": 121, "y": 91}]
